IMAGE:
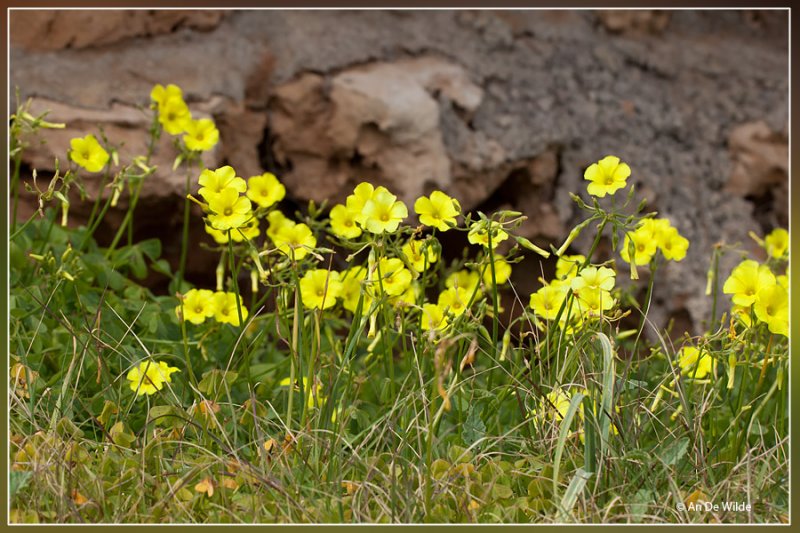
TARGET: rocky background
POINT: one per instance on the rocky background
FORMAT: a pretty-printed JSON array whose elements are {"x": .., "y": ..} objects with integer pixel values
[{"x": 503, "y": 109}]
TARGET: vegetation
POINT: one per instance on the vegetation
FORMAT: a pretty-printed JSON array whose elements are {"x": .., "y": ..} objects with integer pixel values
[{"x": 400, "y": 388}]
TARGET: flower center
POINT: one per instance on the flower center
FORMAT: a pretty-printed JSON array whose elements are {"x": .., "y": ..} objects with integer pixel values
[
  {"x": 609, "y": 180},
  {"x": 86, "y": 154},
  {"x": 320, "y": 293},
  {"x": 385, "y": 217},
  {"x": 198, "y": 309},
  {"x": 228, "y": 211}
]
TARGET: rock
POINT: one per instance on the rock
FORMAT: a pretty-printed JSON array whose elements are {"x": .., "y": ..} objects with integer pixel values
[
  {"x": 54, "y": 30},
  {"x": 378, "y": 121},
  {"x": 634, "y": 20}
]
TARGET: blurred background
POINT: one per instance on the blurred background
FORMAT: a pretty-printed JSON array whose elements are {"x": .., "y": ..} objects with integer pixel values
[{"x": 502, "y": 109}]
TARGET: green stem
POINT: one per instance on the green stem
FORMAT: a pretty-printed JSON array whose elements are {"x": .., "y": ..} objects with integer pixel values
[
  {"x": 186, "y": 212},
  {"x": 15, "y": 188}
]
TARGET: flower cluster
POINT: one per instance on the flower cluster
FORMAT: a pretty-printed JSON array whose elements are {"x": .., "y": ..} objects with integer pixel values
[
  {"x": 149, "y": 377},
  {"x": 199, "y": 135},
  {"x": 199, "y": 304},
  {"x": 590, "y": 285},
  {"x": 651, "y": 235},
  {"x": 757, "y": 292}
]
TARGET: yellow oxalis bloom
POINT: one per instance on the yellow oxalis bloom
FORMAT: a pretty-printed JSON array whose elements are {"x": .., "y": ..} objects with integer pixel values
[
  {"x": 567, "y": 266},
  {"x": 772, "y": 307},
  {"x": 247, "y": 232},
  {"x": 226, "y": 308},
  {"x": 594, "y": 278},
  {"x": 433, "y": 317},
  {"x": 356, "y": 201},
  {"x": 294, "y": 240},
  {"x": 276, "y": 221},
  {"x": 413, "y": 252},
  {"x": 161, "y": 94},
  {"x": 607, "y": 176},
  {"x": 777, "y": 242},
  {"x": 454, "y": 300},
  {"x": 466, "y": 280},
  {"x": 395, "y": 278},
  {"x": 478, "y": 234},
  {"x": 437, "y": 211},
  {"x": 409, "y": 296},
  {"x": 88, "y": 153},
  {"x": 174, "y": 115},
  {"x": 673, "y": 245},
  {"x": 265, "y": 190},
  {"x": 229, "y": 210},
  {"x": 644, "y": 247},
  {"x": 319, "y": 288},
  {"x": 198, "y": 304},
  {"x": 351, "y": 288},
  {"x": 201, "y": 135},
  {"x": 502, "y": 271},
  {"x": 554, "y": 405},
  {"x": 547, "y": 301},
  {"x": 592, "y": 301},
  {"x": 213, "y": 182},
  {"x": 148, "y": 377},
  {"x": 343, "y": 223},
  {"x": 695, "y": 364},
  {"x": 383, "y": 212},
  {"x": 746, "y": 280}
]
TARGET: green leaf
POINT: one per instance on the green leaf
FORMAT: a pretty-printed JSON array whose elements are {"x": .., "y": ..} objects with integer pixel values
[
  {"x": 213, "y": 380},
  {"x": 109, "y": 409},
  {"x": 502, "y": 492},
  {"x": 17, "y": 482},
  {"x": 576, "y": 485},
  {"x": 563, "y": 432},
  {"x": 474, "y": 429},
  {"x": 150, "y": 248},
  {"x": 673, "y": 452}
]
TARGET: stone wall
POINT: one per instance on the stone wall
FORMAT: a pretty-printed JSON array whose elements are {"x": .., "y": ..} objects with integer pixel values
[{"x": 500, "y": 108}]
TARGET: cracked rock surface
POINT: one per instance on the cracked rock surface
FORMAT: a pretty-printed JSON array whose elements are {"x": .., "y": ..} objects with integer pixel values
[{"x": 504, "y": 109}]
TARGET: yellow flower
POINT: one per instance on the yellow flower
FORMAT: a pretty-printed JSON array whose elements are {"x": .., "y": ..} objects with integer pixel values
[
  {"x": 229, "y": 210},
  {"x": 213, "y": 182},
  {"x": 673, "y": 245},
  {"x": 777, "y": 242},
  {"x": 547, "y": 301},
  {"x": 454, "y": 300},
  {"x": 466, "y": 280},
  {"x": 594, "y": 278},
  {"x": 644, "y": 247},
  {"x": 478, "y": 234},
  {"x": 88, "y": 153},
  {"x": 743, "y": 313},
  {"x": 409, "y": 297},
  {"x": 695, "y": 364},
  {"x": 149, "y": 377},
  {"x": 226, "y": 308},
  {"x": 197, "y": 306},
  {"x": 607, "y": 176},
  {"x": 554, "y": 405},
  {"x": 432, "y": 317},
  {"x": 383, "y": 212},
  {"x": 772, "y": 307},
  {"x": 265, "y": 190},
  {"x": 174, "y": 115},
  {"x": 437, "y": 211},
  {"x": 161, "y": 94},
  {"x": 351, "y": 288},
  {"x": 502, "y": 271},
  {"x": 394, "y": 276},
  {"x": 247, "y": 232},
  {"x": 201, "y": 135},
  {"x": 276, "y": 221},
  {"x": 319, "y": 288},
  {"x": 343, "y": 223},
  {"x": 655, "y": 227},
  {"x": 592, "y": 301},
  {"x": 356, "y": 201},
  {"x": 567, "y": 266},
  {"x": 746, "y": 280},
  {"x": 294, "y": 240},
  {"x": 419, "y": 260}
]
